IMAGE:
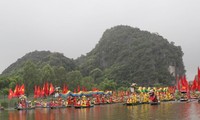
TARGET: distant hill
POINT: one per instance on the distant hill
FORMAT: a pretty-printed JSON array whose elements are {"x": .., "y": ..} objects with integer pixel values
[
  {"x": 40, "y": 59},
  {"x": 124, "y": 54},
  {"x": 127, "y": 55}
]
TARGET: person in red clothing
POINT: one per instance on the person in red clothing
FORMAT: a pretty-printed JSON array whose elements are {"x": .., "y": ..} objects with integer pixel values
[
  {"x": 103, "y": 99},
  {"x": 88, "y": 102},
  {"x": 153, "y": 97}
]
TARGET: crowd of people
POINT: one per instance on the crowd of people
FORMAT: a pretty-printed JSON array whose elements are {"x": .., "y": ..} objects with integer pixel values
[{"x": 141, "y": 95}]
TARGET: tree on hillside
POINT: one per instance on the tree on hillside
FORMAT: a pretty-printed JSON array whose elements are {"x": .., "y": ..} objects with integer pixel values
[
  {"x": 96, "y": 74},
  {"x": 31, "y": 76},
  {"x": 88, "y": 82},
  {"x": 108, "y": 84},
  {"x": 60, "y": 76},
  {"x": 74, "y": 79},
  {"x": 48, "y": 74}
]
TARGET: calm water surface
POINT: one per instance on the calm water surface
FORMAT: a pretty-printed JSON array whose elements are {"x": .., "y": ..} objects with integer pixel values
[{"x": 165, "y": 111}]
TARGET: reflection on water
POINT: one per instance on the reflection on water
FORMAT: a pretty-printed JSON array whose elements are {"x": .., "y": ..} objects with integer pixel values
[{"x": 165, "y": 111}]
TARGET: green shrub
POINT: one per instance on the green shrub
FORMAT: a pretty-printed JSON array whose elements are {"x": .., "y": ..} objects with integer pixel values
[{"x": 4, "y": 104}]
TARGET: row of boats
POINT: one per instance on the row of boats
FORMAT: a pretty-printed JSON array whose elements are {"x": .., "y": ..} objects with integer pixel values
[
  {"x": 152, "y": 98},
  {"x": 77, "y": 103},
  {"x": 85, "y": 102}
]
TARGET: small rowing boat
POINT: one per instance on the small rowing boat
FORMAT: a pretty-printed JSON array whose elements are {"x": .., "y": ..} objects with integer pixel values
[
  {"x": 29, "y": 108},
  {"x": 154, "y": 103},
  {"x": 131, "y": 104},
  {"x": 183, "y": 100},
  {"x": 58, "y": 107},
  {"x": 79, "y": 106}
]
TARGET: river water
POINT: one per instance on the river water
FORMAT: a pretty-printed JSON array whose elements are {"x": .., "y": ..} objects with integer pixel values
[{"x": 164, "y": 111}]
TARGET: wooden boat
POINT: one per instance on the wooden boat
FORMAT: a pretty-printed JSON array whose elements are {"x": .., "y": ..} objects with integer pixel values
[
  {"x": 145, "y": 103},
  {"x": 97, "y": 103},
  {"x": 183, "y": 100},
  {"x": 130, "y": 104},
  {"x": 167, "y": 100},
  {"x": 79, "y": 106},
  {"x": 58, "y": 107},
  {"x": 29, "y": 108},
  {"x": 87, "y": 106},
  {"x": 154, "y": 103}
]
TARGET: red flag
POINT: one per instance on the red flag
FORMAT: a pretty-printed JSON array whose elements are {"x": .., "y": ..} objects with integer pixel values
[
  {"x": 46, "y": 88},
  {"x": 184, "y": 84},
  {"x": 194, "y": 85},
  {"x": 16, "y": 91},
  {"x": 65, "y": 89},
  {"x": 21, "y": 90},
  {"x": 42, "y": 91},
  {"x": 198, "y": 78},
  {"x": 38, "y": 92},
  {"x": 51, "y": 89},
  {"x": 184, "y": 81},
  {"x": 10, "y": 95}
]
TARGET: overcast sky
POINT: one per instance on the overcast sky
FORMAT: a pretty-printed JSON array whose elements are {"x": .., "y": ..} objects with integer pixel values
[{"x": 74, "y": 27}]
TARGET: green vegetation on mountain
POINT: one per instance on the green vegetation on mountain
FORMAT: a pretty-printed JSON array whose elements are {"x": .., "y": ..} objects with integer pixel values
[{"x": 123, "y": 55}]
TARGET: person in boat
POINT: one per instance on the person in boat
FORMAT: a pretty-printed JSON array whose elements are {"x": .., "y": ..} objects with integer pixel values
[
  {"x": 141, "y": 97},
  {"x": 92, "y": 101},
  {"x": 83, "y": 101},
  {"x": 23, "y": 103},
  {"x": 145, "y": 98},
  {"x": 75, "y": 100},
  {"x": 51, "y": 103},
  {"x": 69, "y": 101},
  {"x": 54, "y": 103},
  {"x": 41, "y": 103},
  {"x": 88, "y": 103},
  {"x": 134, "y": 98},
  {"x": 103, "y": 99},
  {"x": 152, "y": 96},
  {"x": 97, "y": 101},
  {"x": 122, "y": 98},
  {"x": 59, "y": 101},
  {"x": 129, "y": 100},
  {"x": 30, "y": 104},
  {"x": 65, "y": 102},
  {"x": 110, "y": 99},
  {"x": 78, "y": 102},
  {"x": 19, "y": 105}
]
